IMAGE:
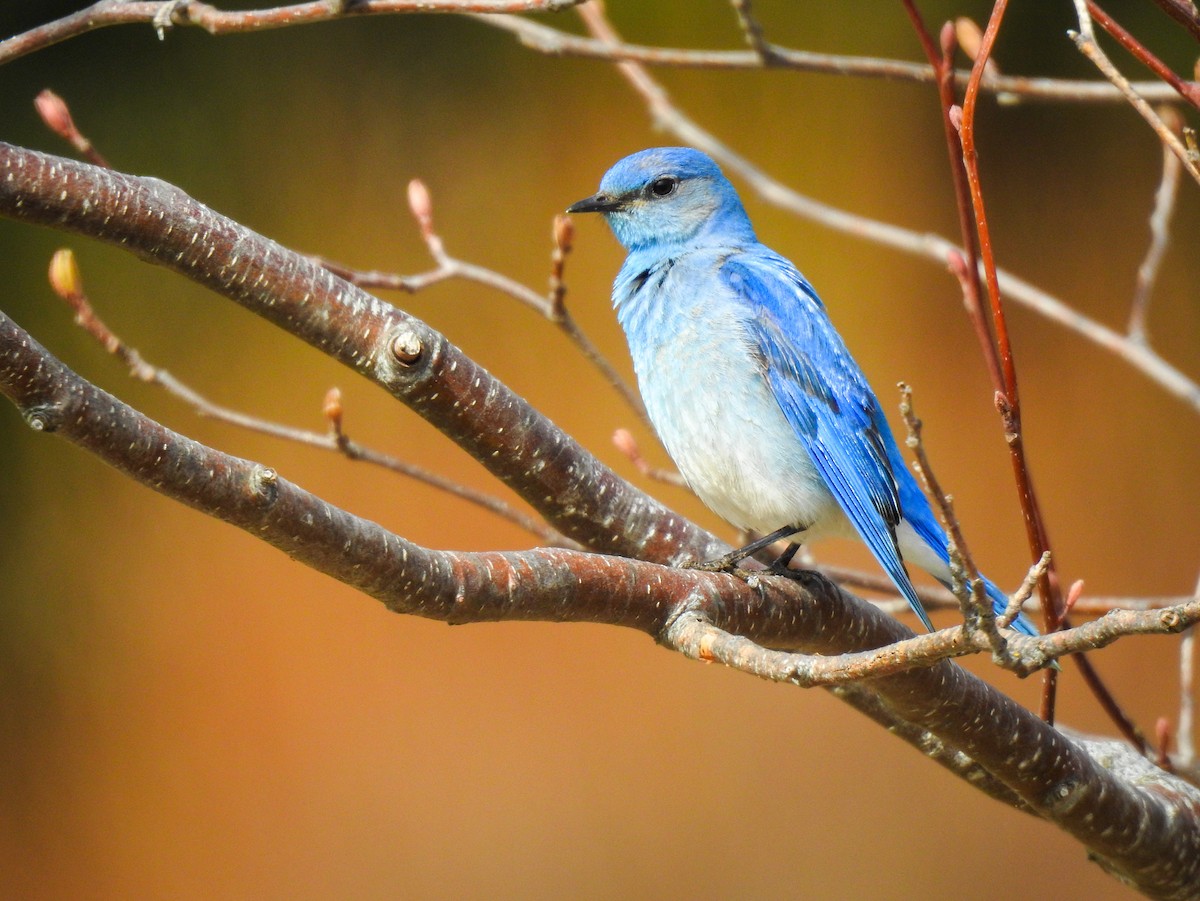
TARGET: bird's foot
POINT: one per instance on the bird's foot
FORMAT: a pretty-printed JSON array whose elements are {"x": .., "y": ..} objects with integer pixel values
[
  {"x": 725, "y": 564},
  {"x": 729, "y": 562},
  {"x": 728, "y": 565}
]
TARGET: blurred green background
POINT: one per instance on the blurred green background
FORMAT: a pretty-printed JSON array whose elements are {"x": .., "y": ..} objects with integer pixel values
[{"x": 186, "y": 713}]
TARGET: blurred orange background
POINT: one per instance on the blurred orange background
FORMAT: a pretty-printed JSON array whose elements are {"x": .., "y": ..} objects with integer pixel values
[{"x": 186, "y": 713}]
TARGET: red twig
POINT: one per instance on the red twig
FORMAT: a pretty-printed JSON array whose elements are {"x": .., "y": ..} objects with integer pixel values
[
  {"x": 993, "y": 334},
  {"x": 1008, "y": 401},
  {"x": 1000, "y": 363},
  {"x": 967, "y": 270},
  {"x": 1162, "y": 735}
]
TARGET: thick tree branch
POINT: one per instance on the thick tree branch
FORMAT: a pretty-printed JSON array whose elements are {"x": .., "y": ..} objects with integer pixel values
[{"x": 414, "y": 363}]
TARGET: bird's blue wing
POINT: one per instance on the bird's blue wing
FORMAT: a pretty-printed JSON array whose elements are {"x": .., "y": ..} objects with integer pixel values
[{"x": 826, "y": 399}]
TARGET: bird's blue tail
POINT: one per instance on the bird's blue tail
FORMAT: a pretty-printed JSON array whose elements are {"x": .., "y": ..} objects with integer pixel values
[{"x": 919, "y": 515}]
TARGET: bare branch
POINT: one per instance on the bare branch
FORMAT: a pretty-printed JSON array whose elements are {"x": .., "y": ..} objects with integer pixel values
[
  {"x": 215, "y": 21},
  {"x": 753, "y": 32},
  {"x": 1160, "y": 236},
  {"x": 1189, "y": 92},
  {"x": 1060, "y": 782},
  {"x": 1009, "y": 88}
]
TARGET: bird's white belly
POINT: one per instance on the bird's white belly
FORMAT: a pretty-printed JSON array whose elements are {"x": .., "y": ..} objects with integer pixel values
[{"x": 720, "y": 422}]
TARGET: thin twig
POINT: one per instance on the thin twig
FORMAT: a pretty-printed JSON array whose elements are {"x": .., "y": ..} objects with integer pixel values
[
  {"x": 977, "y": 609},
  {"x": 57, "y": 116},
  {"x": 66, "y": 281},
  {"x": 913, "y": 441},
  {"x": 753, "y": 32},
  {"x": 1085, "y": 40},
  {"x": 163, "y": 15},
  {"x": 1008, "y": 401},
  {"x": 935, "y": 597},
  {"x": 1007, "y": 88},
  {"x": 1160, "y": 236},
  {"x": 964, "y": 265},
  {"x": 705, "y": 641},
  {"x": 624, "y": 441},
  {"x": 563, "y": 232}
]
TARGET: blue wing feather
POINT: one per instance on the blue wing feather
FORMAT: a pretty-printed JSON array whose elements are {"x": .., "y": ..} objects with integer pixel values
[{"x": 827, "y": 401}]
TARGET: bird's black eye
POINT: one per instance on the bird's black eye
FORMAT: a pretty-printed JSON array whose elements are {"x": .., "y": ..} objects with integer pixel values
[{"x": 665, "y": 186}]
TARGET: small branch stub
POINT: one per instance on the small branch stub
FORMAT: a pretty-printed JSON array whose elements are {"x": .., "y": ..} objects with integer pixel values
[
  {"x": 407, "y": 348},
  {"x": 41, "y": 418},
  {"x": 265, "y": 483}
]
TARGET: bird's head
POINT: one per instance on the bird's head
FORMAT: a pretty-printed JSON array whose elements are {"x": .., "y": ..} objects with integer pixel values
[{"x": 668, "y": 196}]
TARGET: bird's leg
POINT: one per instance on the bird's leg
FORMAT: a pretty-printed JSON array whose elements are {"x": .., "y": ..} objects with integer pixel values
[
  {"x": 729, "y": 563},
  {"x": 784, "y": 560}
]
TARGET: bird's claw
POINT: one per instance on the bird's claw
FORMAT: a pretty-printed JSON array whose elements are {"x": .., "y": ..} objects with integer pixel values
[{"x": 728, "y": 565}]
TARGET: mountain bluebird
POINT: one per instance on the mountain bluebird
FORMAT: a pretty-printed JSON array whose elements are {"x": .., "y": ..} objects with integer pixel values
[{"x": 748, "y": 384}]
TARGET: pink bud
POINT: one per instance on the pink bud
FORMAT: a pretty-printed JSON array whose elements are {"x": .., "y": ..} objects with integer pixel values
[
  {"x": 956, "y": 117},
  {"x": 54, "y": 112},
  {"x": 564, "y": 232},
  {"x": 332, "y": 407},
  {"x": 624, "y": 441},
  {"x": 421, "y": 204}
]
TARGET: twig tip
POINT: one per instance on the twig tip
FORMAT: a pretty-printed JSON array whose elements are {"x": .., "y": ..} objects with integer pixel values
[
  {"x": 65, "y": 278},
  {"x": 421, "y": 204},
  {"x": 55, "y": 113}
]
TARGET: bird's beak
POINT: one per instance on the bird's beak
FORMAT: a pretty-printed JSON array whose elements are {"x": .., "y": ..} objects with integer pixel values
[{"x": 597, "y": 203}]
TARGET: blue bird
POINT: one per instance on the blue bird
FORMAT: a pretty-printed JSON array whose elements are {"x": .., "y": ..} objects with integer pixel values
[{"x": 747, "y": 383}]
